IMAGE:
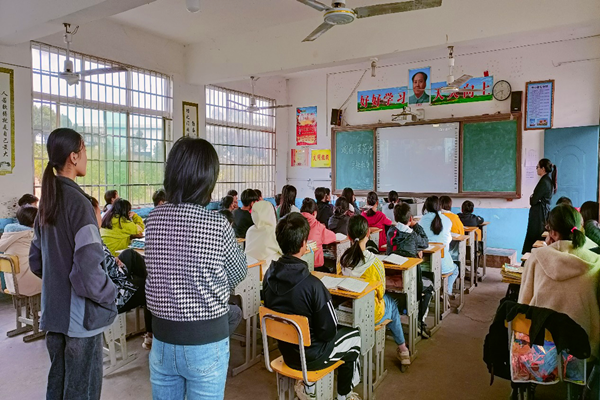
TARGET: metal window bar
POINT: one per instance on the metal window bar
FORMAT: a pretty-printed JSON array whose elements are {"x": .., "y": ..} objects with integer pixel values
[
  {"x": 244, "y": 141},
  {"x": 102, "y": 108}
]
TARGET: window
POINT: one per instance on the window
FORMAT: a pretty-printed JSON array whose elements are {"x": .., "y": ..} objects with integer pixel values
[
  {"x": 245, "y": 141},
  {"x": 123, "y": 117}
]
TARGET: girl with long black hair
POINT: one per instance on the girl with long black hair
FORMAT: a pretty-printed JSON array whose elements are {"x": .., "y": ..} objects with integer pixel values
[
  {"x": 341, "y": 215},
  {"x": 359, "y": 262},
  {"x": 348, "y": 193},
  {"x": 438, "y": 227},
  {"x": 78, "y": 297},
  {"x": 540, "y": 203},
  {"x": 119, "y": 225},
  {"x": 288, "y": 201},
  {"x": 393, "y": 199}
]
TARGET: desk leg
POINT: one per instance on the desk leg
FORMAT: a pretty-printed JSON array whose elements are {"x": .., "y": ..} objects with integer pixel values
[
  {"x": 413, "y": 334},
  {"x": 484, "y": 252},
  {"x": 463, "y": 265},
  {"x": 364, "y": 320},
  {"x": 436, "y": 311},
  {"x": 472, "y": 261}
]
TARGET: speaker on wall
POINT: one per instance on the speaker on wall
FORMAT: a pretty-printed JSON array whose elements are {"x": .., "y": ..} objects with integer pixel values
[
  {"x": 336, "y": 117},
  {"x": 516, "y": 99}
]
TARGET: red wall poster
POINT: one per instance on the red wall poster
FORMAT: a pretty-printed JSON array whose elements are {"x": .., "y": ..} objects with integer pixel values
[{"x": 306, "y": 126}]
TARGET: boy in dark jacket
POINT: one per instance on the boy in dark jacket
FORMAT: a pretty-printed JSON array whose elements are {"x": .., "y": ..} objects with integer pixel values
[
  {"x": 408, "y": 239},
  {"x": 242, "y": 219},
  {"x": 324, "y": 208},
  {"x": 290, "y": 288},
  {"x": 467, "y": 217}
]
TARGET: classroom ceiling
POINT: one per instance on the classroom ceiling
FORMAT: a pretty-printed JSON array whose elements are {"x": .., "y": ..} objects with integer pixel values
[{"x": 219, "y": 18}]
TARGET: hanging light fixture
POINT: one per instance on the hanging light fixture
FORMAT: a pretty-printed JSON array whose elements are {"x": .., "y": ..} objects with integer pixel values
[{"x": 192, "y": 6}]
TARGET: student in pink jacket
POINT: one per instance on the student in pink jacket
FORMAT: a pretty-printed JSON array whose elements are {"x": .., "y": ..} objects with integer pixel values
[
  {"x": 318, "y": 232},
  {"x": 376, "y": 219}
]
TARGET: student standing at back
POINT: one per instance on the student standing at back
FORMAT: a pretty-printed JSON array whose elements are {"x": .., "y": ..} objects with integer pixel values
[
  {"x": 242, "y": 219},
  {"x": 376, "y": 219},
  {"x": 446, "y": 206},
  {"x": 388, "y": 209},
  {"x": 318, "y": 232},
  {"x": 288, "y": 201},
  {"x": 78, "y": 297},
  {"x": 338, "y": 222},
  {"x": 437, "y": 228},
  {"x": 290, "y": 288},
  {"x": 359, "y": 262},
  {"x": 324, "y": 208}
]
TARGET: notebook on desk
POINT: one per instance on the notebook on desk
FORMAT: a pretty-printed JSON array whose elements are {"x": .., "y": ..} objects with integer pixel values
[
  {"x": 348, "y": 284},
  {"x": 393, "y": 259}
]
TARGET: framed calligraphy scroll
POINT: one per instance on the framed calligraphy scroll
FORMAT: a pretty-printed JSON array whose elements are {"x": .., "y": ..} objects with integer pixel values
[
  {"x": 7, "y": 121},
  {"x": 190, "y": 119}
]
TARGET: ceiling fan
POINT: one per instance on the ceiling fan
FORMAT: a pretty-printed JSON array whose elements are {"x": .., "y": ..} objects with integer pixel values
[
  {"x": 72, "y": 77},
  {"x": 253, "y": 107},
  {"x": 454, "y": 85},
  {"x": 339, "y": 14}
]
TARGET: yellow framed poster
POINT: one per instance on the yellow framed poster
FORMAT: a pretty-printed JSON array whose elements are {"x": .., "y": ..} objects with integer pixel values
[{"x": 320, "y": 158}]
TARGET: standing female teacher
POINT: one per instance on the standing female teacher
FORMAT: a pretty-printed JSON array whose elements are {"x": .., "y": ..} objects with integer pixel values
[{"x": 540, "y": 203}]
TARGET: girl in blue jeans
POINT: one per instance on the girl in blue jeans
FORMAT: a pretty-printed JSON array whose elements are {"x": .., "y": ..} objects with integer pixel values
[{"x": 359, "y": 262}]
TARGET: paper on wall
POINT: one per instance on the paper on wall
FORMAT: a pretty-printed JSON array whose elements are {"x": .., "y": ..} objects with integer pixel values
[{"x": 531, "y": 159}]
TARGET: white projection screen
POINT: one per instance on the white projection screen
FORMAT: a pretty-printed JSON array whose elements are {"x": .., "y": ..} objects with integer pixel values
[{"x": 418, "y": 159}]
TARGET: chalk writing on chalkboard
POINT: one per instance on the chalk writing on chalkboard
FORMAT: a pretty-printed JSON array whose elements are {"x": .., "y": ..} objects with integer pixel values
[{"x": 354, "y": 160}]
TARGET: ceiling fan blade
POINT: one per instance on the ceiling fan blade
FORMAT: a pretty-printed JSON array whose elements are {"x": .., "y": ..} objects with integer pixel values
[
  {"x": 324, "y": 27},
  {"x": 392, "y": 8},
  {"x": 460, "y": 81},
  {"x": 239, "y": 104},
  {"x": 273, "y": 107},
  {"x": 97, "y": 71},
  {"x": 317, "y": 5}
]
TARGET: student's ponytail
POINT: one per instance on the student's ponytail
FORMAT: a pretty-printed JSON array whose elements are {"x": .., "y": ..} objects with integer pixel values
[
  {"x": 341, "y": 207},
  {"x": 554, "y": 178},
  {"x": 358, "y": 229},
  {"x": 61, "y": 143},
  {"x": 372, "y": 199},
  {"x": 568, "y": 223},
  {"x": 432, "y": 205},
  {"x": 392, "y": 198}
]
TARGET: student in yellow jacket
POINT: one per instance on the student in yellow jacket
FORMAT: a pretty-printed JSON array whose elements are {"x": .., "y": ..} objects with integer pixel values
[
  {"x": 457, "y": 225},
  {"x": 359, "y": 262},
  {"x": 119, "y": 225}
]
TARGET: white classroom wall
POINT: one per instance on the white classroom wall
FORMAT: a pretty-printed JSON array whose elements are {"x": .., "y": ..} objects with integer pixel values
[
  {"x": 577, "y": 97},
  {"x": 105, "y": 39}
]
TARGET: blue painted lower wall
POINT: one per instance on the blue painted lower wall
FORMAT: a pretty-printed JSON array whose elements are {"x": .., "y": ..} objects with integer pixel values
[{"x": 507, "y": 226}]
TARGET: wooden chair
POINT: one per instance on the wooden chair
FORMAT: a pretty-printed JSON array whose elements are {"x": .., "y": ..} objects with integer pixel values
[
  {"x": 115, "y": 345},
  {"x": 30, "y": 320},
  {"x": 293, "y": 329},
  {"x": 379, "y": 354}
]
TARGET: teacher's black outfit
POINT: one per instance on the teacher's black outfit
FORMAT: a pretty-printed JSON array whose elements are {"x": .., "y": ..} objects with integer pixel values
[{"x": 538, "y": 213}]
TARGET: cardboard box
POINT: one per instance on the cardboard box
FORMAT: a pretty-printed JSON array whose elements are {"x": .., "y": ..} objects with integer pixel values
[{"x": 498, "y": 257}]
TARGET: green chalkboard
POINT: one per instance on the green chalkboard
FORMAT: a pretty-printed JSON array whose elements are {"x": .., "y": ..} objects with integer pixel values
[
  {"x": 489, "y": 159},
  {"x": 354, "y": 160}
]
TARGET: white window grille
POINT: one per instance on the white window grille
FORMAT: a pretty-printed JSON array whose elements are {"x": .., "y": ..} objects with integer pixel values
[
  {"x": 123, "y": 117},
  {"x": 245, "y": 141}
]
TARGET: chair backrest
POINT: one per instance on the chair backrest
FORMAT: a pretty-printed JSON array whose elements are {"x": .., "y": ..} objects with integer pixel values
[
  {"x": 9, "y": 264},
  {"x": 285, "y": 327}
]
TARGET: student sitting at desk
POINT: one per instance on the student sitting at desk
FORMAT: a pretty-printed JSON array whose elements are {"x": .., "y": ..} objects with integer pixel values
[
  {"x": 375, "y": 218},
  {"x": 338, "y": 222},
  {"x": 159, "y": 197},
  {"x": 290, "y": 288},
  {"x": 348, "y": 193},
  {"x": 468, "y": 218},
  {"x": 437, "y": 227},
  {"x": 446, "y": 206},
  {"x": 589, "y": 212},
  {"x": 119, "y": 225},
  {"x": 233, "y": 193},
  {"x": 261, "y": 243},
  {"x": 408, "y": 239},
  {"x": 359, "y": 262},
  {"x": 288, "y": 201},
  {"x": 563, "y": 276},
  {"x": 324, "y": 208},
  {"x": 242, "y": 219},
  {"x": 110, "y": 196},
  {"x": 388, "y": 209},
  {"x": 318, "y": 232}
]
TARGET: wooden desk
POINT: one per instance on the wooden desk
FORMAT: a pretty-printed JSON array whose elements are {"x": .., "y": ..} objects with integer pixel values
[
  {"x": 249, "y": 292},
  {"x": 471, "y": 261},
  {"x": 483, "y": 228},
  {"x": 363, "y": 318},
  {"x": 525, "y": 257},
  {"x": 409, "y": 288},
  {"x": 462, "y": 260},
  {"x": 435, "y": 266},
  {"x": 538, "y": 244}
]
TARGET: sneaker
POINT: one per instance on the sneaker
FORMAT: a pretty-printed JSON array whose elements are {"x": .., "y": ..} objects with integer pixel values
[
  {"x": 350, "y": 396},
  {"x": 147, "y": 342},
  {"x": 403, "y": 356},
  {"x": 300, "y": 390},
  {"x": 425, "y": 332}
]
